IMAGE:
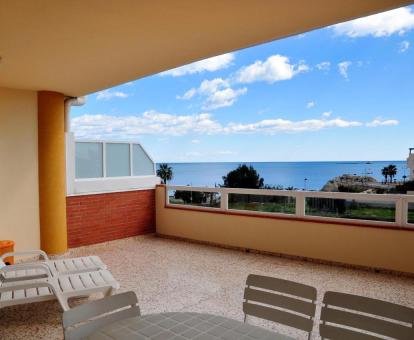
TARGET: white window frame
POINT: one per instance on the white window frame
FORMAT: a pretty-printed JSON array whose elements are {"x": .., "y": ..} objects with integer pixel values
[{"x": 75, "y": 186}]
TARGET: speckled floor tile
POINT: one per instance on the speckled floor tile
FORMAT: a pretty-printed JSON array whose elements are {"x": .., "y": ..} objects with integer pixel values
[{"x": 170, "y": 275}]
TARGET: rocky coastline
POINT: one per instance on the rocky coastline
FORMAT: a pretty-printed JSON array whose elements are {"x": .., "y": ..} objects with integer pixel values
[{"x": 354, "y": 183}]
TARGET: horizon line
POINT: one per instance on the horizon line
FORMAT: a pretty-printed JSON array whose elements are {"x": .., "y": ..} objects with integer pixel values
[{"x": 317, "y": 161}]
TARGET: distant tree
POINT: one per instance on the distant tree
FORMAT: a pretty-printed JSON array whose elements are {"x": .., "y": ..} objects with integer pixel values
[
  {"x": 190, "y": 196},
  {"x": 392, "y": 171},
  {"x": 384, "y": 172},
  {"x": 243, "y": 177},
  {"x": 165, "y": 172}
]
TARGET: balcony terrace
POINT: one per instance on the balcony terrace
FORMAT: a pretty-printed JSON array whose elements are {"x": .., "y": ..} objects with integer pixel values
[
  {"x": 172, "y": 275},
  {"x": 99, "y": 197}
]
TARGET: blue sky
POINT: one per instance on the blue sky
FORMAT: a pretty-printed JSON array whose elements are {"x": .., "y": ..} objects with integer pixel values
[{"x": 343, "y": 92}]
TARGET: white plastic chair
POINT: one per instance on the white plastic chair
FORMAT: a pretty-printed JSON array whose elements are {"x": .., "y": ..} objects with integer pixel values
[
  {"x": 281, "y": 301},
  {"x": 347, "y": 316},
  {"x": 82, "y": 321}
]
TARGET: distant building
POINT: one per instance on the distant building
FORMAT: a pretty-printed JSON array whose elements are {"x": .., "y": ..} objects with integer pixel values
[{"x": 410, "y": 163}]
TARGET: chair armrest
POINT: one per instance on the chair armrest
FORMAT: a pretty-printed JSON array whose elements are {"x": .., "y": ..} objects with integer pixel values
[
  {"x": 45, "y": 272},
  {"x": 28, "y": 286},
  {"x": 37, "y": 252},
  {"x": 22, "y": 266}
]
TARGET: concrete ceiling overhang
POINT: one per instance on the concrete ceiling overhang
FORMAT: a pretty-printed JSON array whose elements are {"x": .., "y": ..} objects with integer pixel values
[{"x": 81, "y": 46}]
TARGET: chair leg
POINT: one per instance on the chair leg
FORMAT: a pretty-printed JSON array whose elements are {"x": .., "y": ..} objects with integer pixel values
[
  {"x": 63, "y": 303},
  {"x": 109, "y": 292}
]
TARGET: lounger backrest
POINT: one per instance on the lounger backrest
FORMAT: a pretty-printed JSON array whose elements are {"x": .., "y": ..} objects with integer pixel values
[
  {"x": 84, "y": 320},
  {"x": 286, "y": 302},
  {"x": 342, "y": 311}
]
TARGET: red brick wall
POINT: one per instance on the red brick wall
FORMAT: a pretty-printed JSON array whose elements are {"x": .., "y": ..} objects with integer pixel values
[{"x": 105, "y": 217}]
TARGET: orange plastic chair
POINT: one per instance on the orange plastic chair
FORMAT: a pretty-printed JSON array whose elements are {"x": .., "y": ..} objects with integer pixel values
[{"x": 7, "y": 246}]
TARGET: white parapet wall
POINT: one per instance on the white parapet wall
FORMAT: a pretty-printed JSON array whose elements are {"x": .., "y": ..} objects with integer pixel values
[
  {"x": 103, "y": 185},
  {"x": 363, "y": 243}
]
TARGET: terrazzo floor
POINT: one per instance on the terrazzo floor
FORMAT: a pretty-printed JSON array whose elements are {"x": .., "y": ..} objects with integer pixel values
[{"x": 171, "y": 275}]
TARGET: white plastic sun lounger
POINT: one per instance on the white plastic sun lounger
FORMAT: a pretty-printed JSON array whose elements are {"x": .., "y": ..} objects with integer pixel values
[
  {"x": 25, "y": 285},
  {"x": 20, "y": 284},
  {"x": 61, "y": 266}
]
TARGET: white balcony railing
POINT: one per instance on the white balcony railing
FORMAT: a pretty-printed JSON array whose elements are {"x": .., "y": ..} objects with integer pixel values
[{"x": 352, "y": 208}]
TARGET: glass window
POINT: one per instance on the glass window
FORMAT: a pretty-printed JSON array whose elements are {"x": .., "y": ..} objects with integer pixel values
[
  {"x": 117, "y": 160},
  {"x": 353, "y": 209},
  {"x": 411, "y": 212},
  {"x": 141, "y": 163},
  {"x": 195, "y": 198},
  {"x": 88, "y": 160},
  {"x": 263, "y": 203}
]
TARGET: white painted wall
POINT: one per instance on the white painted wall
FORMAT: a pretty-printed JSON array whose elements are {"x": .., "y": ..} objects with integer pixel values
[
  {"x": 410, "y": 165},
  {"x": 19, "y": 195},
  {"x": 114, "y": 184}
]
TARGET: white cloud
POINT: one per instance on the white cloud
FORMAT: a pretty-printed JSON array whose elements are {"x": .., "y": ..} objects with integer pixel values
[
  {"x": 343, "y": 68},
  {"x": 326, "y": 114},
  {"x": 196, "y": 141},
  {"x": 380, "y": 122},
  {"x": 404, "y": 46},
  {"x": 273, "y": 126},
  {"x": 383, "y": 24},
  {"x": 310, "y": 104},
  {"x": 188, "y": 95},
  {"x": 218, "y": 93},
  {"x": 273, "y": 69},
  {"x": 324, "y": 66},
  {"x": 223, "y": 98},
  {"x": 150, "y": 122},
  {"x": 107, "y": 94},
  {"x": 207, "y": 65},
  {"x": 300, "y": 36},
  {"x": 211, "y": 86},
  {"x": 164, "y": 124}
]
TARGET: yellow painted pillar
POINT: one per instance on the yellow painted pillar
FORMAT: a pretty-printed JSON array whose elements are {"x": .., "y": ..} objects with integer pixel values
[{"x": 52, "y": 190}]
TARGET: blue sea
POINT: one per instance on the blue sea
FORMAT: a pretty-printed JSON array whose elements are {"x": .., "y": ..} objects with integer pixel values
[{"x": 281, "y": 173}]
